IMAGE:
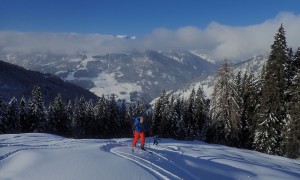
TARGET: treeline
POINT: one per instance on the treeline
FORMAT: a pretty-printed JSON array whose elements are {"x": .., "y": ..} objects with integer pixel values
[
  {"x": 106, "y": 118},
  {"x": 180, "y": 118},
  {"x": 260, "y": 113}
]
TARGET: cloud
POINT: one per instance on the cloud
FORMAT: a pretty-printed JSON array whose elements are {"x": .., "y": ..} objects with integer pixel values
[{"x": 217, "y": 40}]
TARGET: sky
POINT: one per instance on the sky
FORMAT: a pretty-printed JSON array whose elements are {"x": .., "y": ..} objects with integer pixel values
[{"x": 214, "y": 26}]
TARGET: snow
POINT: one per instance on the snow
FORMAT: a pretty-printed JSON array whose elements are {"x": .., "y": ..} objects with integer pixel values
[
  {"x": 70, "y": 76},
  {"x": 44, "y": 156},
  {"x": 178, "y": 59},
  {"x": 149, "y": 73},
  {"x": 200, "y": 54},
  {"x": 185, "y": 93},
  {"x": 253, "y": 65},
  {"x": 75, "y": 60},
  {"x": 208, "y": 90},
  {"x": 83, "y": 63},
  {"x": 107, "y": 84}
]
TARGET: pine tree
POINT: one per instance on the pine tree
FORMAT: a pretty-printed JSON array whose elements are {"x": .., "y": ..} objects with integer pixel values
[
  {"x": 3, "y": 117},
  {"x": 79, "y": 118},
  {"x": 158, "y": 113},
  {"x": 124, "y": 120},
  {"x": 59, "y": 122},
  {"x": 292, "y": 139},
  {"x": 240, "y": 101},
  {"x": 173, "y": 117},
  {"x": 113, "y": 125},
  {"x": 200, "y": 115},
  {"x": 51, "y": 123},
  {"x": 23, "y": 116},
  {"x": 289, "y": 70},
  {"x": 130, "y": 117},
  {"x": 260, "y": 83},
  {"x": 166, "y": 118},
  {"x": 90, "y": 120},
  {"x": 246, "y": 99},
  {"x": 13, "y": 120},
  {"x": 296, "y": 63},
  {"x": 101, "y": 118},
  {"x": 36, "y": 111},
  {"x": 70, "y": 113},
  {"x": 272, "y": 113},
  {"x": 224, "y": 108},
  {"x": 179, "y": 128},
  {"x": 139, "y": 108},
  {"x": 249, "y": 110},
  {"x": 189, "y": 118}
]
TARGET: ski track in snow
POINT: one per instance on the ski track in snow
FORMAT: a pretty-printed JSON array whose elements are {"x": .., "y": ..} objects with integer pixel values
[
  {"x": 42, "y": 143},
  {"x": 150, "y": 160},
  {"x": 157, "y": 170},
  {"x": 170, "y": 159}
]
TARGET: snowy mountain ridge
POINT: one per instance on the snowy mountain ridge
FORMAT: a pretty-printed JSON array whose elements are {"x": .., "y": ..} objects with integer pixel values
[
  {"x": 203, "y": 55},
  {"x": 253, "y": 65},
  {"x": 131, "y": 76}
]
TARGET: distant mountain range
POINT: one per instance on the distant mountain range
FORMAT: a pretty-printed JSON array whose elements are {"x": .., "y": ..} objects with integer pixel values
[
  {"x": 253, "y": 65},
  {"x": 131, "y": 76},
  {"x": 16, "y": 81}
]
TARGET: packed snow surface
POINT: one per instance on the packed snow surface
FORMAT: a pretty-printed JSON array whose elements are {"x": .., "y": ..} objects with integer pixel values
[{"x": 44, "y": 156}]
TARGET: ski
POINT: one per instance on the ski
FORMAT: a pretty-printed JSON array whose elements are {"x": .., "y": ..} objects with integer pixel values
[
  {"x": 150, "y": 152},
  {"x": 138, "y": 150}
]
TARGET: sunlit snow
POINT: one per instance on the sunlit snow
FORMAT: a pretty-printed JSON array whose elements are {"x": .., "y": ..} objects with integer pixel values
[
  {"x": 44, "y": 156},
  {"x": 107, "y": 84}
]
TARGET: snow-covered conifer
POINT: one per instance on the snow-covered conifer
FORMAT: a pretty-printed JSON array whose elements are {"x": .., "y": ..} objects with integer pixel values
[
  {"x": 179, "y": 128},
  {"x": 224, "y": 108},
  {"x": 90, "y": 120},
  {"x": 101, "y": 117},
  {"x": 13, "y": 121},
  {"x": 249, "y": 100},
  {"x": 200, "y": 114},
  {"x": 23, "y": 116},
  {"x": 79, "y": 117},
  {"x": 158, "y": 113},
  {"x": 59, "y": 117},
  {"x": 272, "y": 112},
  {"x": 292, "y": 139},
  {"x": 3, "y": 116},
  {"x": 36, "y": 111}
]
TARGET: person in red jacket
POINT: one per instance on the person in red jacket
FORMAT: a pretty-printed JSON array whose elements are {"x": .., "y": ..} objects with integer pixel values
[{"x": 139, "y": 132}]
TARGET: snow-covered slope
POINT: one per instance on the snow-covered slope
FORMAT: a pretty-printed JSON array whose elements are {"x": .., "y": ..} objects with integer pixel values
[
  {"x": 253, "y": 65},
  {"x": 44, "y": 156},
  {"x": 203, "y": 55}
]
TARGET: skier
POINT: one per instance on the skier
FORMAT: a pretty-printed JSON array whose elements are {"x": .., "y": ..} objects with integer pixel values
[
  {"x": 155, "y": 140},
  {"x": 139, "y": 132}
]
